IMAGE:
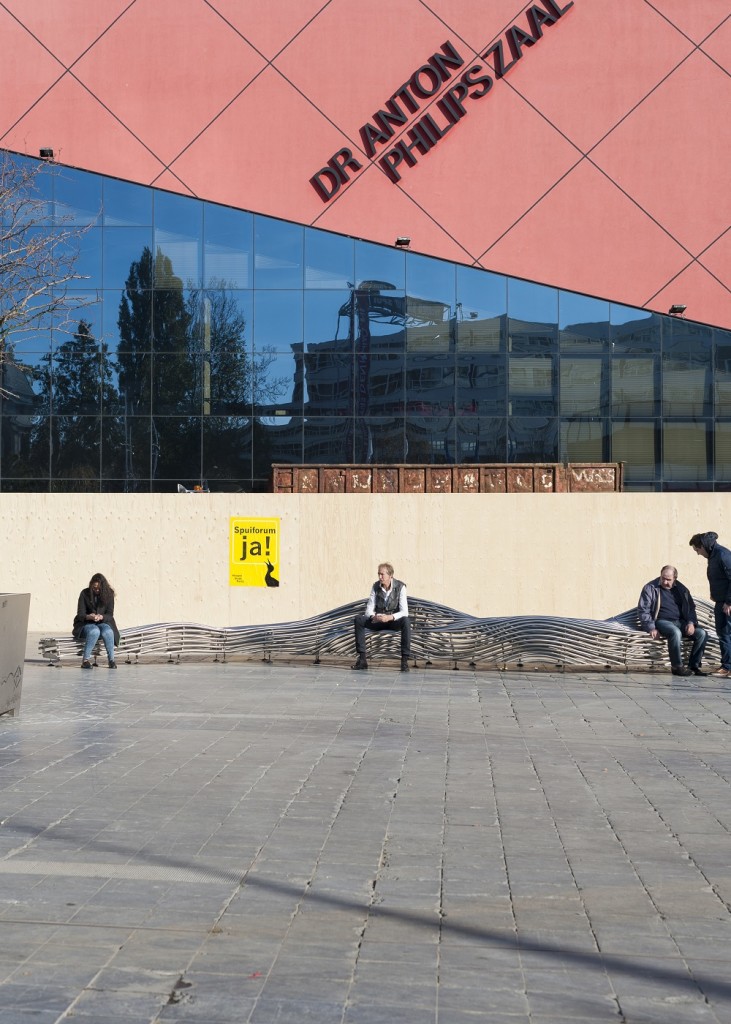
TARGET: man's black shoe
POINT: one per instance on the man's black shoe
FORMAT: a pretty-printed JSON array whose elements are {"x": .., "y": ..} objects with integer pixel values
[
  {"x": 360, "y": 664},
  {"x": 699, "y": 672},
  {"x": 405, "y": 665},
  {"x": 681, "y": 671}
]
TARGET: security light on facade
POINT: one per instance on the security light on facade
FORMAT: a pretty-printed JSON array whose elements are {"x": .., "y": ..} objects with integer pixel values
[
  {"x": 402, "y": 242},
  {"x": 677, "y": 310},
  {"x": 46, "y": 154}
]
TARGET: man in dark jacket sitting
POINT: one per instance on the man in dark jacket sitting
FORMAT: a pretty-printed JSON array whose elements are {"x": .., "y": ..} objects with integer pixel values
[
  {"x": 718, "y": 572},
  {"x": 667, "y": 609}
]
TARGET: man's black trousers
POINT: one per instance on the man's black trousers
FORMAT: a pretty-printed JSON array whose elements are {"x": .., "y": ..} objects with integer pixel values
[{"x": 362, "y": 623}]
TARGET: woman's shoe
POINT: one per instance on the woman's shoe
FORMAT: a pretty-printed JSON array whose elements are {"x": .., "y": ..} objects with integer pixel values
[
  {"x": 86, "y": 664},
  {"x": 112, "y": 664}
]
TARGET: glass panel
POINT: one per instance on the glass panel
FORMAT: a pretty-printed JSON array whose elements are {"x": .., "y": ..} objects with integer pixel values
[
  {"x": 329, "y": 381},
  {"x": 278, "y": 320},
  {"x": 76, "y": 452},
  {"x": 686, "y": 368},
  {"x": 134, "y": 383},
  {"x": 583, "y": 323},
  {"x": 532, "y": 439},
  {"x": 176, "y": 384},
  {"x": 25, "y": 441},
  {"x": 430, "y": 385},
  {"x": 481, "y": 439},
  {"x": 329, "y": 260},
  {"x": 583, "y": 441},
  {"x": 219, "y": 319},
  {"x": 430, "y": 439},
  {"x": 482, "y": 384},
  {"x": 379, "y": 267},
  {"x": 328, "y": 440},
  {"x": 78, "y": 197},
  {"x": 379, "y": 439},
  {"x": 532, "y": 385},
  {"x": 279, "y": 253},
  {"x": 723, "y": 452},
  {"x": 723, "y": 373},
  {"x": 533, "y": 323},
  {"x": 636, "y": 445},
  {"x": 228, "y": 250},
  {"x": 383, "y": 391},
  {"x": 686, "y": 449},
  {"x": 126, "y": 204},
  {"x": 129, "y": 460},
  {"x": 122, "y": 250},
  {"x": 634, "y": 331},
  {"x": 327, "y": 318},
  {"x": 87, "y": 269},
  {"x": 176, "y": 448},
  {"x": 277, "y": 382},
  {"x": 276, "y": 439},
  {"x": 432, "y": 280},
  {"x": 634, "y": 387},
  {"x": 227, "y": 451},
  {"x": 481, "y": 292},
  {"x": 582, "y": 390}
]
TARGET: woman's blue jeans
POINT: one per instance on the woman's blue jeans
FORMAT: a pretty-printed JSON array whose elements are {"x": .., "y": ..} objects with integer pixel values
[
  {"x": 91, "y": 633},
  {"x": 675, "y": 643}
]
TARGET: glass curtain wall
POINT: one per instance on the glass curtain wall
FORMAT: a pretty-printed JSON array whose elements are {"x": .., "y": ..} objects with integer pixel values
[{"x": 212, "y": 342}]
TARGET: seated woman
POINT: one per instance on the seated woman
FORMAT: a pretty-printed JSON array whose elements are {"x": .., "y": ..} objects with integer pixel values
[{"x": 95, "y": 618}]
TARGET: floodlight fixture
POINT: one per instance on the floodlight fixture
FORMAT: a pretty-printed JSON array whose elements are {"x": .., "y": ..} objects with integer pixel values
[
  {"x": 677, "y": 309},
  {"x": 46, "y": 153},
  {"x": 402, "y": 242}
]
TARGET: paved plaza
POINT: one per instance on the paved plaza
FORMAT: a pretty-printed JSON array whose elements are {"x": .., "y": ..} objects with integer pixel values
[{"x": 251, "y": 843}]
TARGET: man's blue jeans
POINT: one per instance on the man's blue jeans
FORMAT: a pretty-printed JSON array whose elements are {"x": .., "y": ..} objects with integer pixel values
[
  {"x": 672, "y": 632},
  {"x": 723, "y": 630},
  {"x": 91, "y": 633}
]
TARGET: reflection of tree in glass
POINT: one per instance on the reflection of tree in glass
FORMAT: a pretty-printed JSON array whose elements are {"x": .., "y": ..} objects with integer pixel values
[
  {"x": 230, "y": 380},
  {"x": 155, "y": 319},
  {"x": 38, "y": 257},
  {"x": 231, "y": 377},
  {"x": 76, "y": 386}
]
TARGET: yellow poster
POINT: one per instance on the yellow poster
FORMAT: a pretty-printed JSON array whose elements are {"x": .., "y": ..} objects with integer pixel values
[{"x": 254, "y": 553}]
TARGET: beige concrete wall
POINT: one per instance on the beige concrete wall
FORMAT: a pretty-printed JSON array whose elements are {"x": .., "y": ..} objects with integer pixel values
[{"x": 488, "y": 554}]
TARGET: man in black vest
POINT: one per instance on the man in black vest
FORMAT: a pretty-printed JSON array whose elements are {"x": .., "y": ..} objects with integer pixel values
[{"x": 386, "y": 608}]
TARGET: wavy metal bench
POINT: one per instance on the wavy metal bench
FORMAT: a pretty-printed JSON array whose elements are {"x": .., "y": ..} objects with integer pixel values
[{"x": 439, "y": 634}]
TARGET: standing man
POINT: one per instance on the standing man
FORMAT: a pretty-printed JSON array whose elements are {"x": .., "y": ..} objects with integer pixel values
[
  {"x": 667, "y": 609},
  {"x": 718, "y": 572},
  {"x": 386, "y": 608}
]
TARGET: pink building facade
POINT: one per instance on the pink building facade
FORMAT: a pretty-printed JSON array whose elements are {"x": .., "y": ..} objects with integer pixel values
[{"x": 579, "y": 144}]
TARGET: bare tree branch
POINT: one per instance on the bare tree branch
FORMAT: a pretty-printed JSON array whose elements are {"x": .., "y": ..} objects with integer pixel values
[{"x": 38, "y": 256}]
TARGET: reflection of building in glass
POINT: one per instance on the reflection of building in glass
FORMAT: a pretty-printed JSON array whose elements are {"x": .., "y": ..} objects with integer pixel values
[
  {"x": 18, "y": 407},
  {"x": 218, "y": 342}
]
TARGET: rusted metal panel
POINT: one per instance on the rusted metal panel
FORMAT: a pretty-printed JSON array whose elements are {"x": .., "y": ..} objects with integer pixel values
[
  {"x": 594, "y": 479},
  {"x": 493, "y": 479},
  {"x": 520, "y": 479},
  {"x": 386, "y": 480},
  {"x": 360, "y": 479},
  {"x": 307, "y": 479},
  {"x": 466, "y": 479},
  {"x": 282, "y": 479},
  {"x": 439, "y": 479},
  {"x": 496, "y": 478},
  {"x": 412, "y": 479},
  {"x": 547, "y": 478},
  {"x": 332, "y": 480}
]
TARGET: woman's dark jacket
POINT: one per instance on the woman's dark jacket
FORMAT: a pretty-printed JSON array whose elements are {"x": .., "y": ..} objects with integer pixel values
[
  {"x": 89, "y": 603},
  {"x": 719, "y": 568}
]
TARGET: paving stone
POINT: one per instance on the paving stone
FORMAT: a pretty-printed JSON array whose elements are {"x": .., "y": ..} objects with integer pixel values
[{"x": 245, "y": 844}]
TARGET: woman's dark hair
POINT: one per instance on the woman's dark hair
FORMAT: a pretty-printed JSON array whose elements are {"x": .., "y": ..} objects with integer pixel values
[{"x": 106, "y": 592}]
